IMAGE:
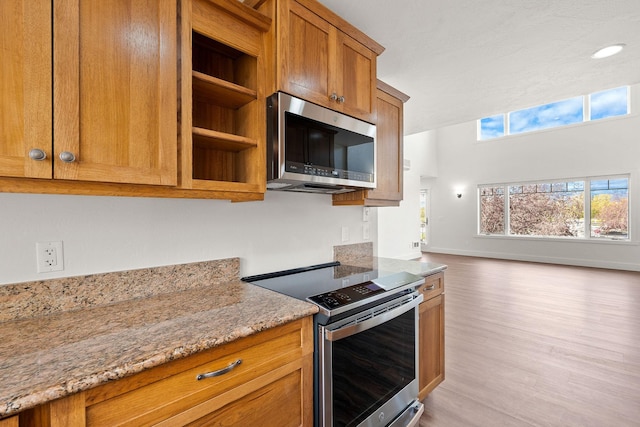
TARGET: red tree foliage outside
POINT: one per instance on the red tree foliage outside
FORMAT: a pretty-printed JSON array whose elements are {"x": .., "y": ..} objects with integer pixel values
[
  {"x": 542, "y": 214},
  {"x": 534, "y": 213}
]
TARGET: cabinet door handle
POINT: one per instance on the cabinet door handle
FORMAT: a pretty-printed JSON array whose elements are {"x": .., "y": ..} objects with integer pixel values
[
  {"x": 37, "y": 154},
  {"x": 219, "y": 371},
  {"x": 340, "y": 99},
  {"x": 67, "y": 157},
  {"x": 429, "y": 288},
  {"x": 334, "y": 97}
]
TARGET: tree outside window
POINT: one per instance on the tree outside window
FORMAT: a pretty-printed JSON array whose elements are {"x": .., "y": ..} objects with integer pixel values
[
  {"x": 557, "y": 209},
  {"x": 492, "y": 210},
  {"x": 610, "y": 208},
  {"x": 546, "y": 209}
]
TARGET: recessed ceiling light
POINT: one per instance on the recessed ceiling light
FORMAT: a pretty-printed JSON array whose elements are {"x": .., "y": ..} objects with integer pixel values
[{"x": 608, "y": 51}]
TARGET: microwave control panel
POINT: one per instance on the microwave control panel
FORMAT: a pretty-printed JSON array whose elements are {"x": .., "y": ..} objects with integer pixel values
[{"x": 316, "y": 170}]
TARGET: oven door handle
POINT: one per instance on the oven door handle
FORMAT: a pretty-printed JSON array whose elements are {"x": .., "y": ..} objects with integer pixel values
[{"x": 347, "y": 331}]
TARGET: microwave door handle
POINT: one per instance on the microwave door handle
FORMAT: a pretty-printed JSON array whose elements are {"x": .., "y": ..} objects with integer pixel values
[{"x": 347, "y": 331}]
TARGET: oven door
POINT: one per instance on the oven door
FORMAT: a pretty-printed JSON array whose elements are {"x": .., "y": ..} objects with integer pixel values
[{"x": 368, "y": 365}]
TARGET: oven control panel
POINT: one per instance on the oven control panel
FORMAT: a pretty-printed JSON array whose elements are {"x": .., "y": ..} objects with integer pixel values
[{"x": 346, "y": 296}]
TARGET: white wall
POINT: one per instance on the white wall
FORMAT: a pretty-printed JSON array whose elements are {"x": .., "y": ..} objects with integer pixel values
[
  {"x": 605, "y": 147},
  {"x": 102, "y": 234},
  {"x": 399, "y": 227}
]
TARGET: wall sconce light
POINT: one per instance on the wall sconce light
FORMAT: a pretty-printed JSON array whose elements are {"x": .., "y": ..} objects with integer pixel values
[{"x": 459, "y": 195}]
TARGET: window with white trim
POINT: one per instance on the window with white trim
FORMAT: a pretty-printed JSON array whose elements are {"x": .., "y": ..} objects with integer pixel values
[
  {"x": 591, "y": 208},
  {"x": 595, "y": 106}
]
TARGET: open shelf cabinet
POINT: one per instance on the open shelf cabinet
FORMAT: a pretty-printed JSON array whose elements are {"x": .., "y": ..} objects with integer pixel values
[{"x": 223, "y": 101}]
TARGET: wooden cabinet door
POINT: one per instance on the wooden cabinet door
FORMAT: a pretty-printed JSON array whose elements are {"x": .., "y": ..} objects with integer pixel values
[
  {"x": 25, "y": 87},
  {"x": 322, "y": 64},
  {"x": 307, "y": 53},
  {"x": 115, "y": 90},
  {"x": 389, "y": 153},
  {"x": 355, "y": 78},
  {"x": 431, "y": 353},
  {"x": 389, "y": 171}
]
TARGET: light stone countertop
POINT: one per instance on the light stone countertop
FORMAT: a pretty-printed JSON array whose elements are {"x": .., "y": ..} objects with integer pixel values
[
  {"x": 390, "y": 265},
  {"x": 414, "y": 267},
  {"x": 360, "y": 255},
  {"x": 63, "y": 350}
]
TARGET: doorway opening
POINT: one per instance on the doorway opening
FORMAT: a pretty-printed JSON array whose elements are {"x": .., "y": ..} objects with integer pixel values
[{"x": 424, "y": 219}]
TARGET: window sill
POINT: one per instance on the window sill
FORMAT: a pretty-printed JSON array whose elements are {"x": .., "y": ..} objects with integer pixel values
[{"x": 559, "y": 239}]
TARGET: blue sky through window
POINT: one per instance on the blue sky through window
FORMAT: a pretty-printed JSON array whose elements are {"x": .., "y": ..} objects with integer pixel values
[
  {"x": 607, "y": 103},
  {"x": 559, "y": 113},
  {"x": 492, "y": 127}
]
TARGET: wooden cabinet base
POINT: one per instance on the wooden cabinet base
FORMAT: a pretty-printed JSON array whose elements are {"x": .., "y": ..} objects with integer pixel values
[
  {"x": 431, "y": 330},
  {"x": 272, "y": 386},
  {"x": 9, "y": 422}
]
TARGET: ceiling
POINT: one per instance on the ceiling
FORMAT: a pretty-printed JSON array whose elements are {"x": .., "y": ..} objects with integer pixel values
[{"x": 462, "y": 60}]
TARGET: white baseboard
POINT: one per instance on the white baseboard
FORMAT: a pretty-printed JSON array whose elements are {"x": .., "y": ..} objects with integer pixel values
[
  {"x": 409, "y": 256},
  {"x": 543, "y": 259}
]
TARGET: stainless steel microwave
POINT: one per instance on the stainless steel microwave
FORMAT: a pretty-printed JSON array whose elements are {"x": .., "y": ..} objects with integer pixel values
[{"x": 314, "y": 149}]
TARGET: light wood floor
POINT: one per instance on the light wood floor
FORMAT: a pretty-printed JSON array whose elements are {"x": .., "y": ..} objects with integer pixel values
[{"x": 537, "y": 345}]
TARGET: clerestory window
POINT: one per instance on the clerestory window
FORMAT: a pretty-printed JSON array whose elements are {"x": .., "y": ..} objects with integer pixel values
[{"x": 595, "y": 106}]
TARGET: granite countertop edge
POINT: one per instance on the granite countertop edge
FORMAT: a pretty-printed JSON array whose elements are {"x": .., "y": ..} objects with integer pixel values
[{"x": 145, "y": 344}]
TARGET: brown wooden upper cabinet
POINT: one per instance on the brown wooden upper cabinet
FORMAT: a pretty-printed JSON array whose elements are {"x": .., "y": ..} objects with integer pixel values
[
  {"x": 389, "y": 166},
  {"x": 323, "y": 59},
  {"x": 109, "y": 112},
  {"x": 223, "y": 106},
  {"x": 25, "y": 88}
]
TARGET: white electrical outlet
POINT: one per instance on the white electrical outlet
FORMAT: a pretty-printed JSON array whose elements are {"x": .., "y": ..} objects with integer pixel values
[
  {"x": 345, "y": 234},
  {"x": 365, "y": 214},
  {"x": 365, "y": 231},
  {"x": 49, "y": 256}
]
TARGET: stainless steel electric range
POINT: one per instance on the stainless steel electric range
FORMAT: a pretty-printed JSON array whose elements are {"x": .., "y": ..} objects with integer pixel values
[{"x": 366, "y": 341}]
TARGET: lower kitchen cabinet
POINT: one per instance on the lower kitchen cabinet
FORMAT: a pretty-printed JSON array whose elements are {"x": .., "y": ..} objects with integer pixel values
[
  {"x": 431, "y": 329},
  {"x": 265, "y": 379},
  {"x": 9, "y": 422}
]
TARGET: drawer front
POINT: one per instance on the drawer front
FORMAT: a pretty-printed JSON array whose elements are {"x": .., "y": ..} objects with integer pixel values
[
  {"x": 433, "y": 286},
  {"x": 161, "y": 399},
  {"x": 275, "y": 405},
  {"x": 281, "y": 398}
]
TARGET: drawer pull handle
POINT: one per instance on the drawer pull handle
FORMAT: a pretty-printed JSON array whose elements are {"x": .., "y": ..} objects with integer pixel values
[
  {"x": 430, "y": 288},
  {"x": 219, "y": 371}
]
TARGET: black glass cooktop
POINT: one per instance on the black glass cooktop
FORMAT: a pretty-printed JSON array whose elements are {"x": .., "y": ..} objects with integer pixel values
[{"x": 333, "y": 286}]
